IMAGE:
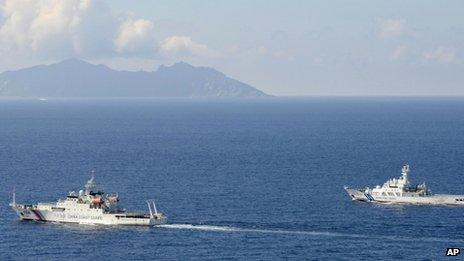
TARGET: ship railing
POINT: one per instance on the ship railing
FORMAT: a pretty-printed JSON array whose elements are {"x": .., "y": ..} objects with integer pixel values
[{"x": 45, "y": 204}]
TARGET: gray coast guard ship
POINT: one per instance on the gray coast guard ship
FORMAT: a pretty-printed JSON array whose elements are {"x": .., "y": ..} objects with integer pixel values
[
  {"x": 399, "y": 190},
  {"x": 88, "y": 206}
]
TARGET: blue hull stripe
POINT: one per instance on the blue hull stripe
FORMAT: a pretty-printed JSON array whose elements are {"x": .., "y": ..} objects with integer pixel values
[{"x": 369, "y": 197}]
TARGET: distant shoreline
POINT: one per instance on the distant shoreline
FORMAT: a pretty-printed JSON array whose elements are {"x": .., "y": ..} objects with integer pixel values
[{"x": 218, "y": 99}]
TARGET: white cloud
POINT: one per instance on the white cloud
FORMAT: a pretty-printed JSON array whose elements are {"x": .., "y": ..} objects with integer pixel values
[
  {"x": 48, "y": 30},
  {"x": 392, "y": 28},
  {"x": 135, "y": 36},
  {"x": 441, "y": 54},
  {"x": 53, "y": 28},
  {"x": 183, "y": 46}
]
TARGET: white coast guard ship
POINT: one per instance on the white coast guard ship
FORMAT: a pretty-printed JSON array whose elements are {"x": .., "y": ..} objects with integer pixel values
[
  {"x": 88, "y": 206},
  {"x": 399, "y": 190}
]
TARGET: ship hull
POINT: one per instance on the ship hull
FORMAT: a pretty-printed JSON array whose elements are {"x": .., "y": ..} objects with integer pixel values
[
  {"x": 362, "y": 195},
  {"x": 358, "y": 195},
  {"x": 31, "y": 212}
]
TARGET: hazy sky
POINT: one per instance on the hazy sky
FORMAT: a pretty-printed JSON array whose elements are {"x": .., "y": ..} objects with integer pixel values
[{"x": 288, "y": 47}]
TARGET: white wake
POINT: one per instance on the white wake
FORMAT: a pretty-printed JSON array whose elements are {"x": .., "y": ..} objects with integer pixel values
[
  {"x": 230, "y": 229},
  {"x": 200, "y": 227},
  {"x": 252, "y": 230}
]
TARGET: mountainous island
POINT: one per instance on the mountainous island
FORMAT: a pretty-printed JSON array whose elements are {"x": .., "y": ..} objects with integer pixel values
[{"x": 74, "y": 78}]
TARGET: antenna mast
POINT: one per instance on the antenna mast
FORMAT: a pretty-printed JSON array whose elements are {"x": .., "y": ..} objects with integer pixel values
[{"x": 14, "y": 196}]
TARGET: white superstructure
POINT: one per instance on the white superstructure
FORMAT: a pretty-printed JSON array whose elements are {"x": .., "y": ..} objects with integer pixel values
[
  {"x": 399, "y": 190},
  {"x": 88, "y": 206}
]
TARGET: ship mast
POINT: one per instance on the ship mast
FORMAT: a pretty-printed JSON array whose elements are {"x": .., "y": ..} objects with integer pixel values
[
  {"x": 90, "y": 186},
  {"x": 14, "y": 196},
  {"x": 405, "y": 174}
]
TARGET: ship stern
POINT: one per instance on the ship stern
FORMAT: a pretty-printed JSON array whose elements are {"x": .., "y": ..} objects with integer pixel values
[{"x": 158, "y": 219}]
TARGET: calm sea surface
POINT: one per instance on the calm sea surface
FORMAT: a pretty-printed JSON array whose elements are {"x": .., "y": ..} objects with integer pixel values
[{"x": 253, "y": 179}]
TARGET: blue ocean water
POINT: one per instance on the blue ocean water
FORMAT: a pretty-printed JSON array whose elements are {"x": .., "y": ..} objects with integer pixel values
[{"x": 250, "y": 179}]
